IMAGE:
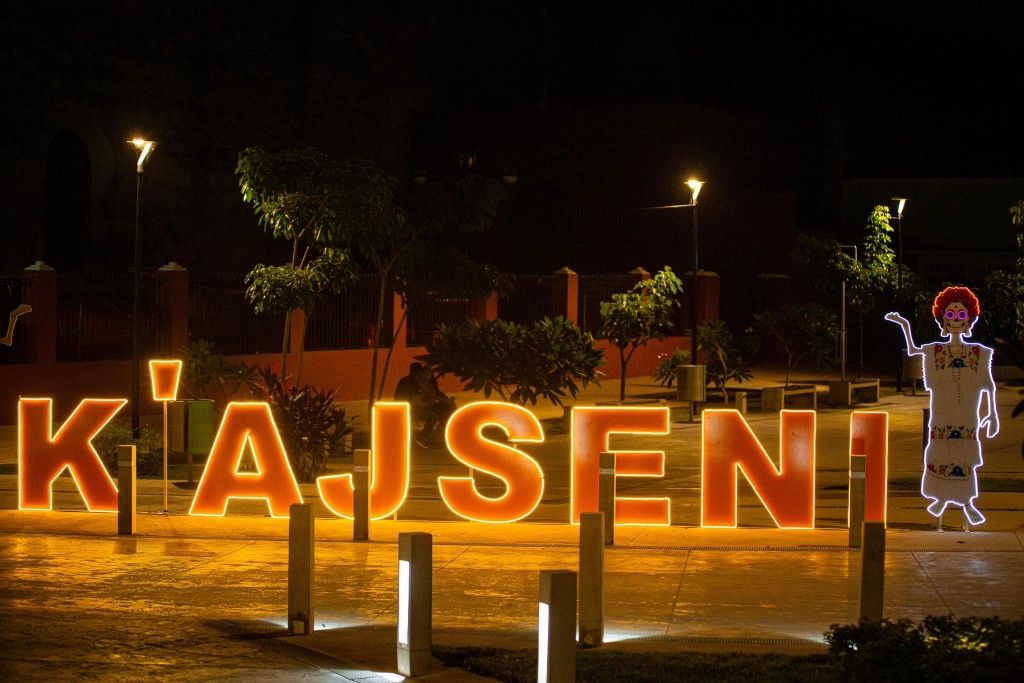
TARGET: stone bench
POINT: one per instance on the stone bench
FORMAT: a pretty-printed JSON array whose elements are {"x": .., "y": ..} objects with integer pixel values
[
  {"x": 843, "y": 393},
  {"x": 774, "y": 399}
]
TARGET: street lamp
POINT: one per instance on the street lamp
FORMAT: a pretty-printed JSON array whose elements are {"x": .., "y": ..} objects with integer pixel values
[
  {"x": 899, "y": 277},
  {"x": 143, "y": 150},
  {"x": 694, "y": 186}
]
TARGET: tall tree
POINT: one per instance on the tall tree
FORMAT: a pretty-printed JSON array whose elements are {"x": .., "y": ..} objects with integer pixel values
[{"x": 631, "y": 319}]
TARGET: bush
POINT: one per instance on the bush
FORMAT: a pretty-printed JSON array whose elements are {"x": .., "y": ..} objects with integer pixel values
[
  {"x": 665, "y": 373},
  {"x": 149, "y": 448},
  {"x": 312, "y": 427},
  {"x": 519, "y": 363},
  {"x": 941, "y": 648}
]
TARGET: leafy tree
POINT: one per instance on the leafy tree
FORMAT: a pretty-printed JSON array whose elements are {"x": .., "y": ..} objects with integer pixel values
[
  {"x": 1004, "y": 290},
  {"x": 722, "y": 358},
  {"x": 867, "y": 279},
  {"x": 802, "y": 329},
  {"x": 633, "y": 318},
  {"x": 305, "y": 198},
  {"x": 519, "y": 363}
]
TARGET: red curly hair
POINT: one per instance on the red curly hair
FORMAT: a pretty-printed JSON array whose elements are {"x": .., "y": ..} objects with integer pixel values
[{"x": 951, "y": 294}]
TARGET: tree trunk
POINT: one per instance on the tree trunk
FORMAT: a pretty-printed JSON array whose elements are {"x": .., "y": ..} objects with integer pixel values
[
  {"x": 284, "y": 343},
  {"x": 391, "y": 350},
  {"x": 624, "y": 360},
  {"x": 376, "y": 343},
  {"x": 860, "y": 344}
]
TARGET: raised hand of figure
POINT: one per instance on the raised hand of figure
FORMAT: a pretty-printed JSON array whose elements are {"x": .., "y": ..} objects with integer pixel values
[{"x": 895, "y": 318}]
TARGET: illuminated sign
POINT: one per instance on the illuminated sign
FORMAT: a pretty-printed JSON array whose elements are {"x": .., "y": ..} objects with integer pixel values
[{"x": 492, "y": 440}]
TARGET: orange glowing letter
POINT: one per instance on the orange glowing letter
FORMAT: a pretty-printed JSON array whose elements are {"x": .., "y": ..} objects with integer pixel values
[
  {"x": 246, "y": 424},
  {"x": 522, "y": 476},
  {"x": 389, "y": 467},
  {"x": 41, "y": 458},
  {"x": 869, "y": 436},
  {"x": 591, "y": 435},
  {"x": 787, "y": 492},
  {"x": 164, "y": 375}
]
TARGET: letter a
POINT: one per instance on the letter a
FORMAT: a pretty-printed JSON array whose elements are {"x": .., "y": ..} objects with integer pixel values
[
  {"x": 42, "y": 458},
  {"x": 389, "y": 467},
  {"x": 246, "y": 424}
]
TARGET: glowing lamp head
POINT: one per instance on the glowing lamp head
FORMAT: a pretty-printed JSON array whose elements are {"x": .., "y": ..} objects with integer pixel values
[
  {"x": 694, "y": 186},
  {"x": 143, "y": 148},
  {"x": 164, "y": 375},
  {"x": 899, "y": 207}
]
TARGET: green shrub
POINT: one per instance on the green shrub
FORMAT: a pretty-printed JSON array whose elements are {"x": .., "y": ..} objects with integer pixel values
[
  {"x": 312, "y": 427},
  {"x": 149, "y": 448},
  {"x": 942, "y": 648},
  {"x": 665, "y": 373}
]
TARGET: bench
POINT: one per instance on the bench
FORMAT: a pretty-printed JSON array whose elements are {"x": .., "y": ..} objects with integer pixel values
[
  {"x": 773, "y": 399},
  {"x": 843, "y": 393}
]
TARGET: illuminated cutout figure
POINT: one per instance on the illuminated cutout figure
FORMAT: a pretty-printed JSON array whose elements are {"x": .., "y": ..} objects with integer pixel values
[
  {"x": 958, "y": 376},
  {"x": 8, "y": 339}
]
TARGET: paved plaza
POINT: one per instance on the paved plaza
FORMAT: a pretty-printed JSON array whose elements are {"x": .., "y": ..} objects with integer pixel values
[{"x": 206, "y": 598}]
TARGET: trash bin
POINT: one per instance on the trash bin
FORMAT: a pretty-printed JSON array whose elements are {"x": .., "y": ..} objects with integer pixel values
[
  {"x": 691, "y": 383},
  {"x": 190, "y": 429}
]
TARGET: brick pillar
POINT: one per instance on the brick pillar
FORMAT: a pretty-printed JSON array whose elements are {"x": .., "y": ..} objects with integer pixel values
[
  {"x": 172, "y": 317},
  {"x": 640, "y": 273},
  {"x": 565, "y": 294},
  {"x": 41, "y": 323},
  {"x": 481, "y": 309},
  {"x": 709, "y": 286}
]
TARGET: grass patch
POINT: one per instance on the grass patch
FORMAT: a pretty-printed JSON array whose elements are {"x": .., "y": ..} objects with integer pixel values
[
  {"x": 601, "y": 665},
  {"x": 989, "y": 484}
]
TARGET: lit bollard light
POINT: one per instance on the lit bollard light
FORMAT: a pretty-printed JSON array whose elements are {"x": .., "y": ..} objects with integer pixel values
[
  {"x": 606, "y": 495},
  {"x": 872, "y": 571},
  {"x": 856, "y": 509},
  {"x": 556, "y": 626},
  {"x": 126, "y": 490},
  {"x": 361, "y": 495},
  {"x": 300, "y": 569},
  {"x": 591, "y": 626},
  {"x": 415, "y": 605}
]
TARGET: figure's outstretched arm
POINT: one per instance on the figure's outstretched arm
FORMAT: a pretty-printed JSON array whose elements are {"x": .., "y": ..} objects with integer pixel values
[
  {"x": 990, "y": 421},
  {"x": 912, "y": 349},
  {"x": 7, "y": 339}
]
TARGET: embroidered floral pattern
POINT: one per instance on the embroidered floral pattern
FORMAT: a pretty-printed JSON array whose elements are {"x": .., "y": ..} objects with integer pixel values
[
  {"x": 964, "y": 357},
  {"x": 954, "y": 432},
  {"x": 948, "y": 471}
]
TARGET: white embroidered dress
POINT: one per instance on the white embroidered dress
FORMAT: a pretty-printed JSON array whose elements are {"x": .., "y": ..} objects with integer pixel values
[{"x": 955, "y": 376}]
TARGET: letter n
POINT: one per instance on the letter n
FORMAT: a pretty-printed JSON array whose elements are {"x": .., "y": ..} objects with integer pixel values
[{"x": 787, "y": 491}]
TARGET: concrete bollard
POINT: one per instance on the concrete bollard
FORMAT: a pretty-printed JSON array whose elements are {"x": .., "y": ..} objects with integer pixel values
[
  {"x": 591, "y": 598},
  {"x": 872, "y": 571},
  {"x": 856, "y": 503},
  {"x": 126, "y": 490},
  {"x": 606, "y": 495},
  {"x": 361, "y": 495},
  {"x": 300, "y": 569},
  {"x": 556, "y": 627},
  {"x": 741, "y": 402},
  {"x": 415, "y": 566}
]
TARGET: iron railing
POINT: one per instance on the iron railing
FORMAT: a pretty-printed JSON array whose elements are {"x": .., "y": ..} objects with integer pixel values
[
  {"x": 594, "y": 289},
  {"x": 426, "y": 314},
  {"x": 219, "y": 313},
  {"x": 347, "y": 320},
  {"x": 531, "y": 300},
  {"x": 94, "y": 316}
]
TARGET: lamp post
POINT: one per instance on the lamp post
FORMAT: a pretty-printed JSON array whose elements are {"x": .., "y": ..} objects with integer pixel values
[
  {"x": 164, "y": 376},
  {"x": 143, "y": 150},
  {"x": 842, "y": 318},
  {"x": 694, "y": 186},
  {"x": 899, "y": 278}
]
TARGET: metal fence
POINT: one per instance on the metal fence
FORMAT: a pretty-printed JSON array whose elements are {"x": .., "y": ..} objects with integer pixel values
[
  {"x": 426, "y": 314},
  {"x": 13, "y": 293},
  {"x": 593, "y": 289},
  {"x": 530, "y": 301},
  {"x": 218, "y": 313},
  {"x": 346, "y": 320},
  {"x": 94, "y": 316}
]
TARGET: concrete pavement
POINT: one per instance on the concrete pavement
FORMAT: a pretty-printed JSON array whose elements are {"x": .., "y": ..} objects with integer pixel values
[{"x": 205, "y": 598}]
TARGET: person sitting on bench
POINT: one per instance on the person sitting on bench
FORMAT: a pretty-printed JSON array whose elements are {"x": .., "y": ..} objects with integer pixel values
[{"x": 426, "y": 400}]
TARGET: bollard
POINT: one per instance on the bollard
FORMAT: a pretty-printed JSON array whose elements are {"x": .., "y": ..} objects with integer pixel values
[
  {"x": 872, "y": 571},
  {"x": 361, "y": 495},
  {"x": 300, "y": 569},
  {"x": 591, "y": 621},
  {"x": 556, "y": 626},
  {"x": 126, "y": 490},
  {"x": 606, "y": 495},
  {"x": 741, "y": 402},
  {"x": 856, "y": 503},
  {"x": 415, "y": 565}
]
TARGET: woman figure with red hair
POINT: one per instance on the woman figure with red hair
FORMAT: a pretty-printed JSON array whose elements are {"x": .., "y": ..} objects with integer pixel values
[{"x": 958, "y": 375}]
